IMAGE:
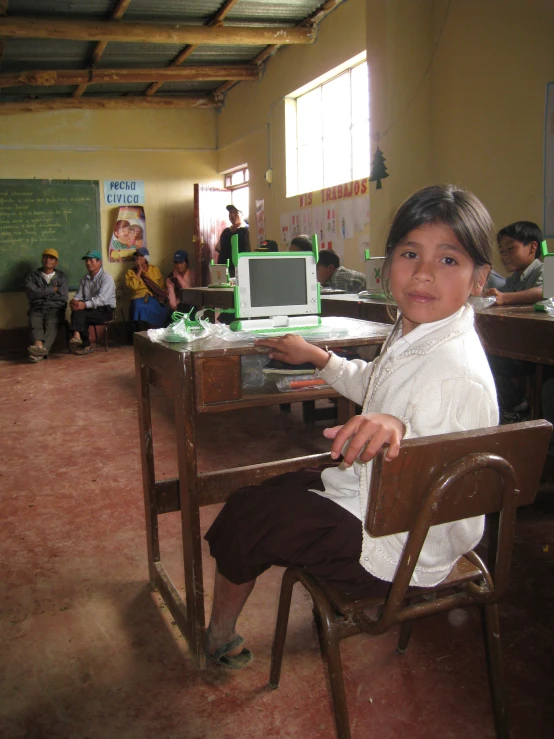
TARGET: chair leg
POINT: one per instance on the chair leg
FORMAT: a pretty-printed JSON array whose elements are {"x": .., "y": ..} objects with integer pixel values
[
  {"x": 95, "y": 335},
  {"x": 287, "y": 584},
  {"x": 404, "y": 638},
  {"x": 331, "y": 652},
  {"x": 494, "y": 657},
  {"x": 106, "y": 329}
]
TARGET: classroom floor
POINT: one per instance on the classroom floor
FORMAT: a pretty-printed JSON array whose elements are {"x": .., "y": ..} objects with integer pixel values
[{"x": 88, "y": 651}]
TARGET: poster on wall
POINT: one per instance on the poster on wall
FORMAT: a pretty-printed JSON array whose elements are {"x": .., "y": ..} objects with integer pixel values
[
  {"x": 124, "y": 192},
  {"x": 549, "y": 163},
  {"x": 260, "y": 221},
  {"x": 285, "y": 229},
  {"x": 128, "y": 235}
]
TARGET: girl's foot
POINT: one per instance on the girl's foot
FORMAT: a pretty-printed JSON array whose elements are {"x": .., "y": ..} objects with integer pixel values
[{"x": 231, "y": 654}]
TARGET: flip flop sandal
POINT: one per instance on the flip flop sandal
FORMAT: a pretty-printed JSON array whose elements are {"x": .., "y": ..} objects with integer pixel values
[
  {"x": 34, "y": 359},
  {"x": 235, "y": 662},
  {"x": 83, "y": 350}
]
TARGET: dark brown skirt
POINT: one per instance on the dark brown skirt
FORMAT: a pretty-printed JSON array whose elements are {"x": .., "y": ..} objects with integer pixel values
[{"x": 281, "y": 522}]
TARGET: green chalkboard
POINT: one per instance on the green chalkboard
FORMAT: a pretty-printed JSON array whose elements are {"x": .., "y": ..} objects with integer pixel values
[{"x": 36, "y": 214}]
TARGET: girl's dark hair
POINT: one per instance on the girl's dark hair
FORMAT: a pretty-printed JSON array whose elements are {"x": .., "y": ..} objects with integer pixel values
[{"x": 451, "y": 206}]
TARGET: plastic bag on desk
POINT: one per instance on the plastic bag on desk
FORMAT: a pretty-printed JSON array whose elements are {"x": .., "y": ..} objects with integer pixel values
[
  {"x": 548, "y": 304},
  {"x": 251, "y": 368},
  {"x": 222, "y": 330},
  {"x": 182, "y": 330},
  {"x": 480, "y": 303}
]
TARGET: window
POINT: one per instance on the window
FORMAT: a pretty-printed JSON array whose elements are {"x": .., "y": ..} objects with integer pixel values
[
  {"x": 236, "y": 181},
  {"x": 327, "y": 129}
]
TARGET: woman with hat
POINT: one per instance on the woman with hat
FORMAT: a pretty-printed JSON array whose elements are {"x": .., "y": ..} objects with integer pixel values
[
  {"x": 224, "y": 246},
  {"x": 180, "y": 278},
  {"x": 147, "y": 291}
]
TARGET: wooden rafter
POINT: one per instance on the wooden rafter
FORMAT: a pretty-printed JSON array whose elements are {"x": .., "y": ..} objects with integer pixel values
[
  {"x": 98, "y": 103},
  {"x": 152, "y": 33},
  {"x": 46, "y": 78},
  {"x": 100, "y": 47},
  {"x": 310, "y": 22},
  {"x": 187, "y": 51}
]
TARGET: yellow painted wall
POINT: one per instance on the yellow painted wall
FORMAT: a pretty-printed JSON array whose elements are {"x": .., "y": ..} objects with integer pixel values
[
  {"x": 251, "y": 126},
  {"x": 478, "y": 117},
  {"x": 489, "y": 84},
  {"x": 169, "y": 150}
]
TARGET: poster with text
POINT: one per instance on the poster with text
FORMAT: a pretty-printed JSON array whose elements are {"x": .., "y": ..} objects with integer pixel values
[
  {"x": 306, "y": 222},
  {"x": 260, "y": 221},
  {"x": 285, "y": 229},
  {"x": 128, "y": 235}
]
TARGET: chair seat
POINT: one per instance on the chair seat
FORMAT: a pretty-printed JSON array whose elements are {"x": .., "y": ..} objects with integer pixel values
[{"x": 462, "y": 572}]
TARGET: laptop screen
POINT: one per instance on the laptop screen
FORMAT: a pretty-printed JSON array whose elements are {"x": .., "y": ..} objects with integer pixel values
[
  {"x": 278, "y": 281},
  {"x": 276, "y": 284}
]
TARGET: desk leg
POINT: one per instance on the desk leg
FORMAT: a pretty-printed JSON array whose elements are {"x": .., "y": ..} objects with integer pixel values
[
  {"x": 147, "y": 454},
  {"x": 346, "y": 409},
  {"x": 185, "y": 424}
]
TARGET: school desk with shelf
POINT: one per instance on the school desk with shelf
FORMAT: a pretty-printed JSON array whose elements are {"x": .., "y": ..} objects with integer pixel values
[
  {"x": 518, "y": 332},
  {"x": 206, "y": 378}
]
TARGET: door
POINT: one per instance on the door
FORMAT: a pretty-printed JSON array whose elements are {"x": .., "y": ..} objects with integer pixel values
[{"x": 210, "y": 218}]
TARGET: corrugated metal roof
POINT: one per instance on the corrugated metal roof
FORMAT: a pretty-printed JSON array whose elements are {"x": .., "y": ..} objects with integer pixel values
[{"x": 28, "y": 54}]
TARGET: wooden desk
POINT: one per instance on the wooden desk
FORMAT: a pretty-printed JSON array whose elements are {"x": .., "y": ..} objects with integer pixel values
[
  {"x": 208, "y": 297},
  {"x": 517, "y": 332},
  {"x": 206, "y": 378},
  {"x": 352, "y": 306}
]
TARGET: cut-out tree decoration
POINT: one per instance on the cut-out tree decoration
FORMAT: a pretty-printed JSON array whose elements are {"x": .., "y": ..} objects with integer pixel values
[{"x": 378, "y": 169}]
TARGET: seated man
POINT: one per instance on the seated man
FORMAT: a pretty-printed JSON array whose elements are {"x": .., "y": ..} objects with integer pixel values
[
  {"x": 518, "y": 245},
  {"x": 93, "y": 304},
  {"x": 47, "y": 290},
  {"x": 331, "y": 274},
  {"x": 301, "y": 243}
]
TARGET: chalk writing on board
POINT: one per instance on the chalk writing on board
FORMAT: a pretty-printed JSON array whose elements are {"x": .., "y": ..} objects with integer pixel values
[{"x": 35, "y": 214}]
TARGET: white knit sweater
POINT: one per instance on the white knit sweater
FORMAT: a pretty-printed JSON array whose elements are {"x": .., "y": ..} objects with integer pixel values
[{"x": 440, "y": 383}]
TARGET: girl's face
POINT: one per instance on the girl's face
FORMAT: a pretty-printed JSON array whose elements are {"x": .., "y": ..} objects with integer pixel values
[
  {"x": 180, "y": 267},
  {"x": 432, "y": 275},
  {"x": 141, "y": 262}
]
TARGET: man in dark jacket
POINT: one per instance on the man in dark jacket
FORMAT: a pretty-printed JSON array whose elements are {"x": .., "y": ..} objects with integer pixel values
[{"x": 47, "y": 292}]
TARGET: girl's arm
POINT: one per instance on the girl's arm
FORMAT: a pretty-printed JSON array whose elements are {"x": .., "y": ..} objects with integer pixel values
[
  {"x": 366, "y": 433},
  {"x": 295, "y": 350}
]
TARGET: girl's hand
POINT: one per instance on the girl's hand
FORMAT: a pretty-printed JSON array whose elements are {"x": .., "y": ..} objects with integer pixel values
[
  {"x": 367, "y": 434},
  {"x": 294, "y": 349}
]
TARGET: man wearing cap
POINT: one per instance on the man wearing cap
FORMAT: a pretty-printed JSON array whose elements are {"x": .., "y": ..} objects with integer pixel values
[
  {"x": 47, "y": 290},
  {"x": 93, "y": 304},
  {"x": 148, "y": 294},
  {"x": 223, "y": 247},
  {"x": 180, "y": 278}
]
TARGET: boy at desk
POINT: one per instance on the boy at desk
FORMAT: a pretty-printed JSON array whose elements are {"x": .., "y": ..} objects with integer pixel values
[{"x": 518, "y": 245}]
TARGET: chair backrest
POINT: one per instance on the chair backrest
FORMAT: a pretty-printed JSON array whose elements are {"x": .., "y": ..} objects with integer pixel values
[{"x": 399, "y": 489}]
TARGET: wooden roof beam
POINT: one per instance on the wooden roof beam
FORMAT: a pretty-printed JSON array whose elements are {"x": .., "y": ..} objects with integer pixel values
[
  {"x": 152, "y": 33},
  {"x": 100, "y": 47},
  {"x": 47, "y": 78},
  {"x": 105, "y": 103}
]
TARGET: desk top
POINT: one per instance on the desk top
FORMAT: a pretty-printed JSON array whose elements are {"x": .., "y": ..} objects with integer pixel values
[
  {"x": 524, "y": 312},
  {"x": 359, "y": 333}
]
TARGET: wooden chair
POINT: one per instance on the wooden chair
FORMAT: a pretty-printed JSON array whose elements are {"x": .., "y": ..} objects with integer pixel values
[
  {"x": 434, "y": 480},
  {"x": 106, "y": 325}
]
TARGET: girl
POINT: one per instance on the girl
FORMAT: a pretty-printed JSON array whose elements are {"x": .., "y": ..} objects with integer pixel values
[{"x": 432, "y": 377}]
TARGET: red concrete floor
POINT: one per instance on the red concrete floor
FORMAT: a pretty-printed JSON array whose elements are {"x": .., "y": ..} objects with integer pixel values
[{"x": 88, "y": 651}]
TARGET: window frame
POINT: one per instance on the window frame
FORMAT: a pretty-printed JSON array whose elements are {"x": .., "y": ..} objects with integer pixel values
[{"x": 292, "y": 146}]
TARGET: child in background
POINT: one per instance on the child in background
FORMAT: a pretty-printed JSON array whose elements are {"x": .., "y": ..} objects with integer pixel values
[
  {"x": 519, "y": 245},
  {"x": 432, "y": 377}
]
